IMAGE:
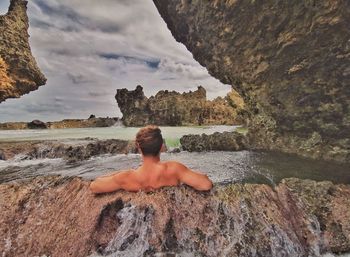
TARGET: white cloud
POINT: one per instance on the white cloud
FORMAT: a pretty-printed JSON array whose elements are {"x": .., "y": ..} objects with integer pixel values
[
  {"x": 4, "y": 4},
  {"x": 87, "y": 49}
]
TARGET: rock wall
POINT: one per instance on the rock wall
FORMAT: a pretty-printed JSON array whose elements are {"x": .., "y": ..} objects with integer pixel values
[
  {"x": 19, "y": 73},
  {"x": 175, "y": 109},
  {"x": 54, "y": 216},
  {"x": 289, "y": 60}
]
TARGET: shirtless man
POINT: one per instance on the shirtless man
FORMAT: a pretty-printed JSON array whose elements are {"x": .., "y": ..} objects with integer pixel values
[{"x": 153, "y": 173}]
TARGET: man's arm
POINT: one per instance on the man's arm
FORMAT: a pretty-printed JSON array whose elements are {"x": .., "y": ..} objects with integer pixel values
[
  {"x": 197, "y": 180},
  {"x": 110, "y": 183}
]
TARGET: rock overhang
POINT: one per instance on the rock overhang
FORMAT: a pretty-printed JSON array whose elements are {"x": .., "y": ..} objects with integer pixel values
[
  {"x": 19, "y": 71},
  {"x": 289, "y": 61}
]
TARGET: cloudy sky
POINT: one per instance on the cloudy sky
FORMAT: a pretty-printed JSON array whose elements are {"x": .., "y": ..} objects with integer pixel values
[{"x": 88, "y": 48}]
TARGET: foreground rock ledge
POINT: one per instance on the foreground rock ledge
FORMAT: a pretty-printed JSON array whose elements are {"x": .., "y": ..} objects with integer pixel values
[
  {"x": 289, "y": 60},
  {"x": 55, "y": 216},
  {"x": 19, "y": 73}
]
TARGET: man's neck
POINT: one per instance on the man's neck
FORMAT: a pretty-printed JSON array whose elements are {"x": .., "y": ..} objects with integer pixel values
[{"x": 150, "y": 160}]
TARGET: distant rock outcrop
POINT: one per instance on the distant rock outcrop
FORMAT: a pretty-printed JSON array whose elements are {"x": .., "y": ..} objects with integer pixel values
[
  {"x": 289, "y": 60},
  {"x": 19, "y": 73},
  {"x": 37, "y": 124},
  {"x": 91, "y": 122},
  {"x": 55, "y": 216},
  {"x": 176, "y": 109}
]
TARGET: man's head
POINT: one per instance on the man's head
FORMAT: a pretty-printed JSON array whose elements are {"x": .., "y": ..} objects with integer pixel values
[{"x": 149, "y": 140}]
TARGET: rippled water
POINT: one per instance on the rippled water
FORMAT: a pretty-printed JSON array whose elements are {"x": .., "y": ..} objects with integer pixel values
[{"x": 221, "y": 167}]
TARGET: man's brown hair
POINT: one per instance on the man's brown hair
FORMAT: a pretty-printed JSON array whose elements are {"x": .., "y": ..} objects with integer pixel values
[{"x": 150, "y": 140}]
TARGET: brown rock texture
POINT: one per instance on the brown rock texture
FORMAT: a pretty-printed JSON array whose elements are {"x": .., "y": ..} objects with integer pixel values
[
  {"x": 5, "y": 81},
  {"x": 225, "y": 141},
  {"x": 55, "y": 216},
  {"x": 19, "y": 73},
  {"x": 289, "y": 60},
  {"x": 176, "y": 109}
]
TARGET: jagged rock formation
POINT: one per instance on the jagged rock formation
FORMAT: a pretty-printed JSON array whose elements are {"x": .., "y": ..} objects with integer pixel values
[
  {"x": 226, "y": 141},
  {"x": 289, "y": 60},
  {"x": 56, "y": 216},
  {"x": 175, "y": 109},
  {"x": 19, "y": 73},
  {"x": 92, "y": 122}
]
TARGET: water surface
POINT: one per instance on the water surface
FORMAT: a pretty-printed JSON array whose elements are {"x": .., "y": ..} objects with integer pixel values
[{"x": 221, "y": 167}]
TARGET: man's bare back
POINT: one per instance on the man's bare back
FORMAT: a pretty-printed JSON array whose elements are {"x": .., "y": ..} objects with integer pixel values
[
  {"x": 150, "y": 178},
  {"x": 153, "y": 173}
]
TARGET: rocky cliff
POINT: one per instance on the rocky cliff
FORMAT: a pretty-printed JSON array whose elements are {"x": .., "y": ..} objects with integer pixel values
[
  {"x": 54, "y": 216},
  {"x": 289, "y": 60},
  {"x": 175, "y": 109},
  {"x": 19, "y": 73}
]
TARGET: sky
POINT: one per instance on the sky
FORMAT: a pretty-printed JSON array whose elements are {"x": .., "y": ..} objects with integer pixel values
[{"x": 87, "y": 49}]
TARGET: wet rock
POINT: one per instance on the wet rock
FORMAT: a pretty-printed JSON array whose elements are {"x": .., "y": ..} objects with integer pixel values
[
  {"x": 19, "y": 73},
  {"x": 175, "y": 150},
  {"x": 2, "y": 155},
  {"x": 175, "y": 109},
  {"x": 75, "y": 153},
  {"x": 330, "y": 204},
  {"x": 72, "y": 151},
  {"x": 9, "y": 150},
  {"x": 289, "y": 60},
  {"x": 232, "y": 220},
  {"x": 225, "y": 141}
]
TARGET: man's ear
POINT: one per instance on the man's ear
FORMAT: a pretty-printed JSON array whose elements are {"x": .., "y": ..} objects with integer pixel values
[
  {"x": 138, "y": 147},
  {"x": 163, "y": 148}
]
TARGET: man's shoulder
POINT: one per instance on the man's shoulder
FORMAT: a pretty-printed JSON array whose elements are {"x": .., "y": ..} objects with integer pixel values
[
  {"x": 127, "y": 177},
  {"x": 125, "y": 173},
  {"x": 174, "y": 165}
]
